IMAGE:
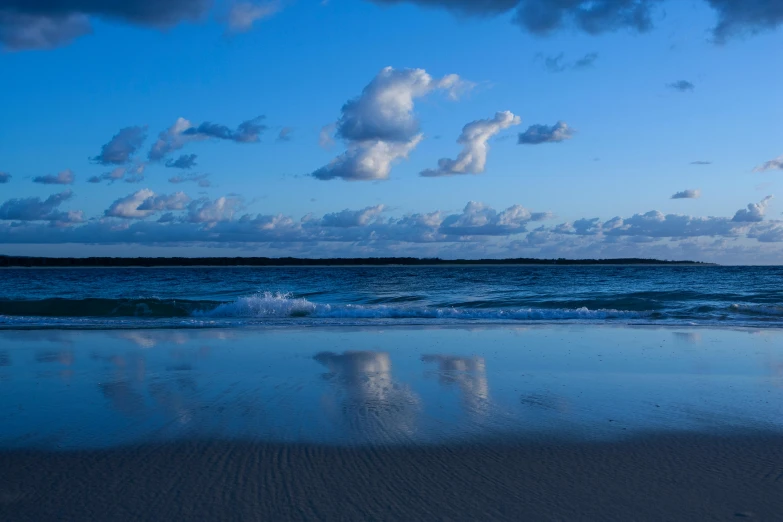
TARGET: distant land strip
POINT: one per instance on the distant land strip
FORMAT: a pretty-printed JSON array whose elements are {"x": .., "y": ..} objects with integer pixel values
[{"x": 21, "y": 261}]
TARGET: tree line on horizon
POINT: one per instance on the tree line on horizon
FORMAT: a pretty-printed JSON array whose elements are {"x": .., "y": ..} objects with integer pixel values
[{"x": 22, "y": 261}]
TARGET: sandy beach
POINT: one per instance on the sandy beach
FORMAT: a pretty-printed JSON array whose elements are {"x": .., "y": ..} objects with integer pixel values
[
  {"x": 485, "y": 423},
  {"x": 656, "y": 477}
]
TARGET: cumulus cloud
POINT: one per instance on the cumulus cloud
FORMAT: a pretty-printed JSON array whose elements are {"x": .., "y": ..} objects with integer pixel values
[
  {"x": 538, "y": 134},
  {"x": 285, "y": 134},
  {"x": 243, "y": 15},
  {"x": 681, "y": 86},
  {"x": 474, "y": 138},
  {"x": 367, "y": 160},
  {"x": 478, "y": 219},
  {"x": 687, "y": 194},
  {"x": 557, "y": 63},
  {"x": 144, "y": 203},
  {"x": 183, "y": 132},
  {"x": 201, "y": 179},
  {"x": 754, "y": 213},
  {"x": 219, "y": 210},
  {"x": 35, "y": 209},
  {"x": 185, "y": 161},
  {"x": 4, "y": 177},
  {"x": 478, "y": 230},
  {"x": 65, "y": 177},
  {"x": 384, "y": 111},
  {"x": 352, "y": 218},
  {"x": 123, "y": 145},
  {"x": 743, "y": 17},
  {"x": 775, "y": 164},
  {"x": 379, "y": 127},
  {"x": 44, "y": 24},
  {"x": 132, "y": 174}
]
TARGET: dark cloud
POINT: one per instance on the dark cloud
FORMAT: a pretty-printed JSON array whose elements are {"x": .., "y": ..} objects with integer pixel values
[
  {"x": 134, "y": 174},
  {"x": 681, "y": 86},
  {"x": 687, "y": 194},
  {"x": 542, "y": 17},
  {"x": 20, "y": 31},
  {"x": 5, "y": 177},
  {"x": 744, "y": 17},
  {"x": 538, "y": 134},
  {"x": 557, "y": 63},
  {"x": 201, "y": 179},
  {"x": 185, "y": 161},
  {"x": 701, "y": 163},
  {"x": 285, "y": 134},
  {"x": 65, "y": 177},
  {"x": 122, "y": 146},
  {"x": 44, "y": 24},
  {"x": 585, "y": 61},
  {"x": 35, "y": 209},
  {"x": 183, "y": 132},
  {"x": 247, "y": 132}
]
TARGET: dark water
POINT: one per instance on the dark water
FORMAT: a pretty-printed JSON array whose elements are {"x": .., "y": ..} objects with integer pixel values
[{"x": 204, "y": 297}]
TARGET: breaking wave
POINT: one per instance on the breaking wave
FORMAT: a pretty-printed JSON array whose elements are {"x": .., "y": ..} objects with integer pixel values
[{"x": 280, "y": 309}]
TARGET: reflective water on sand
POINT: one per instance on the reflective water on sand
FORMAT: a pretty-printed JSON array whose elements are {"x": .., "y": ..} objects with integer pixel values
[{"x": 82, "y": 389}]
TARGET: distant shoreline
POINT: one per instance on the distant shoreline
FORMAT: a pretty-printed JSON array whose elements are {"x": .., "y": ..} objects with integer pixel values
[{"x": 211, "y": 262}]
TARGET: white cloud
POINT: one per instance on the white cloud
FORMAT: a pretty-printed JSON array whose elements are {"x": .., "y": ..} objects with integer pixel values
[
  {"x": 775, "y": 164},
  {"x": 474, "y": 138},
  {"x": 367, "y": 160},
  {"x": 144, "y": 203},
  {"x": 754, "y": 212},
  {"x": 379, "y": 127},
  {"x": 352, "y": 218},
  {"x": 222, "y": 209},
  {"x": 243, "y": 15},
  {"x": 687, "y": 194}
]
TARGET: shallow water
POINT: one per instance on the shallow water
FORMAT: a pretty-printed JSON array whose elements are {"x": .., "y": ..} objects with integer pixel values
[
  {"x": 249, "y": 296},
  {"x": 87, "y": 389}
]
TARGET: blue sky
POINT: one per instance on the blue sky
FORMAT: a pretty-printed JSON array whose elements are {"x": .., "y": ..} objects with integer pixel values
[{"x": 649, "y": 99}]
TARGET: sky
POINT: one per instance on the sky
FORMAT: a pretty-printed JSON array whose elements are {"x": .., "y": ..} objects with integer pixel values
[{"x": 365, "y": 128}]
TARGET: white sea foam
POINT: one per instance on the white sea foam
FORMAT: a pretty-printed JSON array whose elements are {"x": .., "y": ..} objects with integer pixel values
[
  {"x": 758, "y": 309},
  {"x": 278, "y": 305}
]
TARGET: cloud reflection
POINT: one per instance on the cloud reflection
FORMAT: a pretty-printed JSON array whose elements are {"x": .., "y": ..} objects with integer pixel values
[
  {"x": 372, "y": 404},
  {"x": 469, "y": 374}
]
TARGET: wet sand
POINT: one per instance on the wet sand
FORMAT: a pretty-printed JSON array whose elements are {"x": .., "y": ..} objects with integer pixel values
[
  {"x": 656, "y": 477},
  {"x": 480, "y": 423}
]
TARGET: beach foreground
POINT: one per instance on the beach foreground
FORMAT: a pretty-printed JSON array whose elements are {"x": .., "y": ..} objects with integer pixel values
[
  {"x": 481, "y": 423},
  {"x": 654, "y": 477}
]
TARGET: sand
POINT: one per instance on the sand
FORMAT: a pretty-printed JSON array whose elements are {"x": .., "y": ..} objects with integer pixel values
[{"x": 653, "y": 477}]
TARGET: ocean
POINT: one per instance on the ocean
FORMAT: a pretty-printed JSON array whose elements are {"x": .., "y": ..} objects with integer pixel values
[{"x": 105, "y": 298}]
